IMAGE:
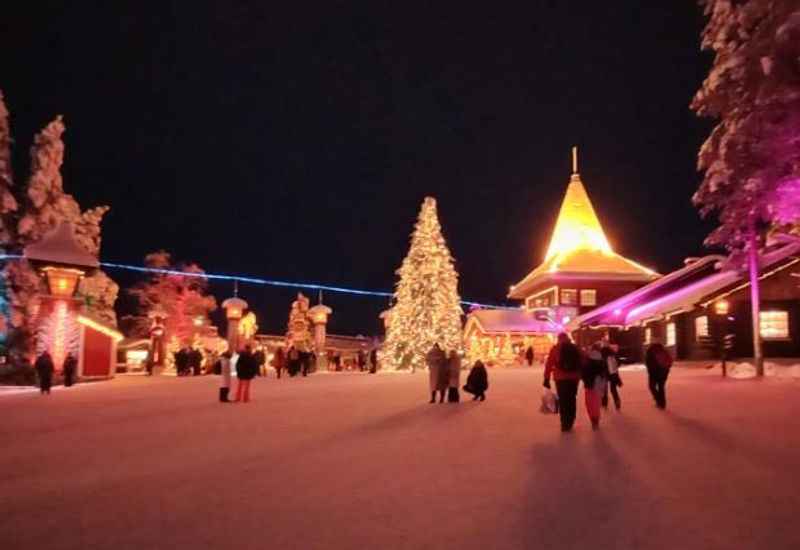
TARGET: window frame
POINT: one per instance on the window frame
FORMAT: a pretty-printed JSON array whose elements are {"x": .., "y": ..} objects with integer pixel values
[
  {"x": 563, "y": 302},
  {"x": 783, "y": 338},
  {"x": 593, "y": 294},
  {"x": 697, "y": 333},
  {"x": 672, "y": 330}
]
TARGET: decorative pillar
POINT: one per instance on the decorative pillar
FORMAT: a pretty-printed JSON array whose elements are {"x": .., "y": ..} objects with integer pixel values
[
  {"x": 234, "y": 309},
  {"x": 319, "y": 318},
  {"x": 62, "y": 262},
  {"x": 158, "y": 348}
]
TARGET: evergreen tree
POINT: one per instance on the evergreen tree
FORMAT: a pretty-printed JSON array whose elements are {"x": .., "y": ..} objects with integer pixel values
[
  {"x": 8, "y": 203},
  {"x": 753, "y": 154},
  {"x": 427, "y": 306}
]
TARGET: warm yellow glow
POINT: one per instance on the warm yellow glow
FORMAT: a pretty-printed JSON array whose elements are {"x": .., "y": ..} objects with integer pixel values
[
  {"x": 577, "y": 227},
  {"x": 721, "y": 307},
  {"x": 233, "y": 313},
  {"x": 62, "y": 280},
  {"x": 110, "y": 332},
  {"x": 248, "y": 326}
]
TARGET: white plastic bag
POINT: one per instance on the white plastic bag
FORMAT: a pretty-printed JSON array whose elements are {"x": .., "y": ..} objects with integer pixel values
[{"x": 549, "y": 402}]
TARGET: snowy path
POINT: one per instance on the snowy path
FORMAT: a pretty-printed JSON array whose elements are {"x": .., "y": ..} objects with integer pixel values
[{"x": 360, "y": 461}]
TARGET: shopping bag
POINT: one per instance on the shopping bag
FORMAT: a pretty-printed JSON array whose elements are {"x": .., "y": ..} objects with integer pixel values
[{"x": 549, "y": 403}]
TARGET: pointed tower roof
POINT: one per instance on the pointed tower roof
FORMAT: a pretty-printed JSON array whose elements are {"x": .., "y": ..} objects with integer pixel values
[{"x": 578, "y": 246}]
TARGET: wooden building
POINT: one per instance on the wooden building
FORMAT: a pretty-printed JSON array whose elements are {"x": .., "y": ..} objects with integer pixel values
[{"x": 697, "y": 305}]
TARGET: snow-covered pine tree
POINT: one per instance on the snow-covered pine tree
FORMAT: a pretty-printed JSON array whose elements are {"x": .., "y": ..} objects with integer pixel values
[
  {"x": 183, "y": 298},
  {"x": 427, "y": 306},
  {"x": 8, "y": 204},
  {"x": 753, "y": 89}
]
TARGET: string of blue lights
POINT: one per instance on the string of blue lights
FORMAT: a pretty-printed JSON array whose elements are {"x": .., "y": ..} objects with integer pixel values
[{"x": 260, "y": 281}]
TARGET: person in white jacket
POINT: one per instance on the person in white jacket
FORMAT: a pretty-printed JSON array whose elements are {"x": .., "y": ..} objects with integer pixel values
[
  {"x": 226, "y": 368},
  {"x": 614, "y": 381}
]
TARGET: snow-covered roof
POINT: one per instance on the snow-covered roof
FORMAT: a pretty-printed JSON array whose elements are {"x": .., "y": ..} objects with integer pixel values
[
  {"x": 613, "y": 313},
  {"x": 502, "y": 321},
  {"x": 648, "y": 303},
  {"x": 579, "y": 248},
  {"x": 60, "y": 247}
]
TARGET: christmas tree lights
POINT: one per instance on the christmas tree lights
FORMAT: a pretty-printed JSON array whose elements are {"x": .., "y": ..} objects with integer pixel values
[{"x": 427, "y": 306}]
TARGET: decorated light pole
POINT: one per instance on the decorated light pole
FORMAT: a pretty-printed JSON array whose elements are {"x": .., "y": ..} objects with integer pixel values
[
  {"x": 319, "y": 318},
  {"x": 62, "y": 262},
  {"x": 157, "y": 357},
  {"x": 234, "y": 310}
]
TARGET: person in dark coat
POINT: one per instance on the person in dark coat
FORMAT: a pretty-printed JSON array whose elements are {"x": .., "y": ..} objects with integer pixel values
[
  {"x": 477, "y": 381},
  {"x": 614, "y": 381},
  {"x": 44, "y": 368},
  {"x": 70, "y": 366},
  {"x": 195, "y": 361},
  {"x": 564, "y": 364},
  {"x": 658, "y": 362},
  {"x": 246, "y": 369},
  {"x": 529, "y": 356},
  {"x": 293, "y": 357},
  {"x": 305, "y": 362},
  {"x": 373, "y": 361},
  {"x": 362, "y": 361},
  {"x": 182, "y": 361},
  {"x": 261, "y": 360},
  {"x": 279, "y": 361}
]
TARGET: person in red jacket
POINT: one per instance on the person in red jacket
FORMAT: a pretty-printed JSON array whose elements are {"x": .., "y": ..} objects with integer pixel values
[{"x": 564, "y": 365}]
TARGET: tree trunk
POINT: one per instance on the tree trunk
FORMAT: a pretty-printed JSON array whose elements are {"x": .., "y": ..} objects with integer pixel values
[{"x": 755, "y": 302}]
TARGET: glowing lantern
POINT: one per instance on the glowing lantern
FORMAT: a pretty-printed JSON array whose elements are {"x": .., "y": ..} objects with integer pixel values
[
  {"x": 234, "y": 309},
  {"x": 722, "y": 307}
]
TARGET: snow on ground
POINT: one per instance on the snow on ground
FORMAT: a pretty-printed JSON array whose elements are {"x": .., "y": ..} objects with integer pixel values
[
  {"x": 363, "y": 461},
  {"x": 748, "y": 370}
]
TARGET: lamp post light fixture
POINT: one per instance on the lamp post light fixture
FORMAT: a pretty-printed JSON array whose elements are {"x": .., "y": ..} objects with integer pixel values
[
  {"x": 63, "y": 263},
  {"x": 234, "y": 310},
  {"x": 722, "y": 307}
]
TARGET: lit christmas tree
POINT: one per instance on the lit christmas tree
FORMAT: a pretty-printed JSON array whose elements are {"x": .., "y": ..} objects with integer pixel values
[{"x": 427, "y": 306}]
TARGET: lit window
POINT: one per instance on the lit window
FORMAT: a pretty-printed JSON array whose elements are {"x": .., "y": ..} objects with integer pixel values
[
  {"x": 648, "y": 335},
  {"x": 701, "y": 327},
  {"x": 670, "y": 334},
  {"x": 774, "y": 325},
  {"x": 569, "y": 297},
  {"x": 589, "y": 297}
]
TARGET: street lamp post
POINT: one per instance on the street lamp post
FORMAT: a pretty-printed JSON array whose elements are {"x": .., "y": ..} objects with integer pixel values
[{"x": 319, "y": 318}]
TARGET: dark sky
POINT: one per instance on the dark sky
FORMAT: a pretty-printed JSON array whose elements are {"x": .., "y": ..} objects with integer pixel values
[{"x": 298, "y": 145}]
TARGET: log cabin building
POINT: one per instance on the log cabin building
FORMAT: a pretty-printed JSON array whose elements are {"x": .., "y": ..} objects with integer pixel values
[{"x": 690, "y": 310}]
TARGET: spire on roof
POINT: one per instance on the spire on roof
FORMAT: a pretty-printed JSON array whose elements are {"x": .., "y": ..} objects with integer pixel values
[{"x": 577, "y": 227}]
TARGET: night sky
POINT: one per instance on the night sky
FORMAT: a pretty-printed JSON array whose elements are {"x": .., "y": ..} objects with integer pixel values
[{"x": 298, "y": 145}]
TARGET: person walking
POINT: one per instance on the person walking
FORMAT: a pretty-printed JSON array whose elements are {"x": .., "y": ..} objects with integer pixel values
[
  {"x": 246, "y": 370},
  {"x": 658, "y": 362},
  {"x": 44, "y": 368},
  {"x": 614, "y": 381},
  {"x": 477, "y": 381},
  {"x": 529, "y": 356},
  {"x": 361, "y": 358},
  {"x": 564, "y": 365},
  {"x": 438, "y": 377},
  {"x": 225, "y": 377},
  {"x": 70, "y": 366},
  {"x": 279, "y": 361},
  {"x": 261, "y": 360},
  {"x": 454, "y": 376},
  {"x": 293, "y": 357},
  {"x": 195, "y": 361},
  {"x": 594, "y": 381},
  {"x": 373, "y": 361}
]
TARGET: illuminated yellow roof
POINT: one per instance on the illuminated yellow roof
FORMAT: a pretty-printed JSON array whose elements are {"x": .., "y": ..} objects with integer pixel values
[{"x": 579, "y": 247}]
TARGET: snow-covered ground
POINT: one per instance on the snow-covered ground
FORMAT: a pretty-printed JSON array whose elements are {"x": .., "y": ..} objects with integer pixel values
[{"x": 363, "y": 461}]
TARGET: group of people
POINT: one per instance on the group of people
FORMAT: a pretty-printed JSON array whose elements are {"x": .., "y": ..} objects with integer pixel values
[
  {"x": 444, "y": 371},
  {"x": 247, "y": 364},
  {"x": 45, "y": 367},
  {"x": 188, "y": 361},
  {"x": 598, "y": 369}
]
